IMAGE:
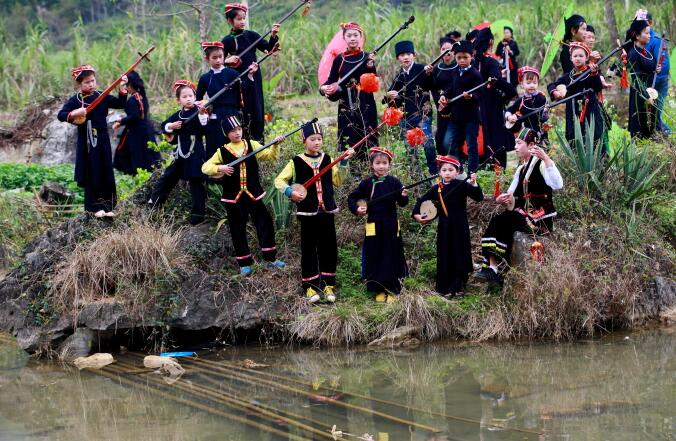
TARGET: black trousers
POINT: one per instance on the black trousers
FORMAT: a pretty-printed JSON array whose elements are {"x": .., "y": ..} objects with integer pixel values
[
  {"x": 100, "y": 197},
  {"x": 168, "y": 181},
  {"x": 238, "y": 216},
  {"x": 319, "y": 251},
  {"x": 498, "y": 238}
]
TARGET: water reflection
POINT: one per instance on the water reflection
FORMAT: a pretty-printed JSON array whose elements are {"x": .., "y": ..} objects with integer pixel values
[{"x": 620, "y": 388}]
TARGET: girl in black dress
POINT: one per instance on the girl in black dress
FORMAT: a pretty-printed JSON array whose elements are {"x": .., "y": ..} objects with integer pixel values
[
  {"x": 189, "y": 154},
  {"x": 585, "y": 108},
  {"x": 357, "y": 112},
  {"x": 383, "y": 261},
  {"x": 641, "y": 65},
  {"x": 454, "y": 248},
  {"x": 237, "y": 41},
  {"x": 93, "y": 159}
]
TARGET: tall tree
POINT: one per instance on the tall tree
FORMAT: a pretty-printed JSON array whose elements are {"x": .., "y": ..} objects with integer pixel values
[{"x": 610, "y": 20}]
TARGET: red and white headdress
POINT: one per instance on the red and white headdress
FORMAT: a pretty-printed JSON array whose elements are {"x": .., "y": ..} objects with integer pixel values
[
  {"x": 181, "y": 83},
  {"x": 525, "y": 69},
  {"x": 230, "y": 6},
  {"x": 448, "y": 160},
  {"x": 77, "y": 71},
  {"x": 577, "y": 45},
  {"x": 208, "y": 44},
  {"x": 351, "y": 25},
  {"x": 381, "y": 150}
]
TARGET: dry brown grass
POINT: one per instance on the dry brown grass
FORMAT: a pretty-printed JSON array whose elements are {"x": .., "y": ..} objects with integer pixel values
[{"x": 126, "y": 264}]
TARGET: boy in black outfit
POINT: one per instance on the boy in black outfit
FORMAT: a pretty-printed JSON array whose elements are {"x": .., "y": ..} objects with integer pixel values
[
  {"x": 415, "y": 98},
  {"x": 463, "y": 124}
]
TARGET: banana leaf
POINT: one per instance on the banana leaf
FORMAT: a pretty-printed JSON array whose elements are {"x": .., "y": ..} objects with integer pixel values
[{"x": 554, "y": 38}]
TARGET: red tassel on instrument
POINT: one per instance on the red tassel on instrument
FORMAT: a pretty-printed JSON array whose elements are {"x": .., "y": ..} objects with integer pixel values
[
  {"x": 498, "y": 170},
  {"x": 537, "y": 251},
  {"x": 415, "y": 137},
  {"x": 306, "y": 9},
  {"x": 369, "y": 83},
  {"x": 624, "y": 81},
  {"x": 392, "y": 116}
]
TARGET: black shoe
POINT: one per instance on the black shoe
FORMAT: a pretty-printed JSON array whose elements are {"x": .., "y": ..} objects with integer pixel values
[{"x": 488, "y": 275}]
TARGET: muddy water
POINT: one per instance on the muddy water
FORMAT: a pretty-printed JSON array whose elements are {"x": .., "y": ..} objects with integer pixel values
[{"x": 622, "y": 387}]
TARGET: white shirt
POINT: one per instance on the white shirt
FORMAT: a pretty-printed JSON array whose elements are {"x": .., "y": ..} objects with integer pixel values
[{"x": 551, "y": 174}]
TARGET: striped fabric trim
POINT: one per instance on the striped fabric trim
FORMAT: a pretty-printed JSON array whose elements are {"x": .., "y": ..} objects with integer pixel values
[
  {"x": 492, "y": 239},
  {"x": 307, "y": 279},
  {"x": 243, "y": 257},
  {"x": 327, "y": 274},
  {"x": 269, "y": 249}
]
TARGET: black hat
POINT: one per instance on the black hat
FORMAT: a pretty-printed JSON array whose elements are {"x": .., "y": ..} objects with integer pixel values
[
  {"x": 482, "y": 40},
  {"x": 230, "y": 123},
  {"x": 311, "y": 129},
  {"x": 591, "y": 29},
  {"x": 508, "y": 28},
  {"x": 403, "y": 47},
  {"x": 636, "y": 28},
  {"x": 463, "y": 46}
]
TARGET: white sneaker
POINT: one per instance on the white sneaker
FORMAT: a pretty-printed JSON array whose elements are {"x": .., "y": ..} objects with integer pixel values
[{"x": 99, "y": 214}]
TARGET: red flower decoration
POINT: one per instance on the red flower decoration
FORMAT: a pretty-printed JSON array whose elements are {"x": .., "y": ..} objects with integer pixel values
[
  {"x": 369, "y": 83},
  {"x": 415, "y": 137},
  {"x": 268, "y": 117},
  {"x": 392, "y": 116},
  {"x": 537, "y": 251}
]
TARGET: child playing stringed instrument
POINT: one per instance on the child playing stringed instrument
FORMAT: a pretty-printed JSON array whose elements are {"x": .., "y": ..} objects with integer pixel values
[
  {"x": 93, "y": 158},
  {"x": 315, "y": 208},
  {"x": 243, "y": 194},
  {"x": 454, "y": 253},
  {"x": 383, "y": 262}
]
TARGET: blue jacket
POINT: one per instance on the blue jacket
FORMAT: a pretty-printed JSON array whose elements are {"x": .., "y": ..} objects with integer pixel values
[{"x": 654, "y": 46}]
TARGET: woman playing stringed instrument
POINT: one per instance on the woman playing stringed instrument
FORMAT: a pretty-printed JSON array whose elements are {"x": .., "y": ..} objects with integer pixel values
[{"x": 93, "y": 158}]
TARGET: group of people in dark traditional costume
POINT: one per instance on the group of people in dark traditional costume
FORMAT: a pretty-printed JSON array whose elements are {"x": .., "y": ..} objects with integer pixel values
[{"x": 220, "y": 124}]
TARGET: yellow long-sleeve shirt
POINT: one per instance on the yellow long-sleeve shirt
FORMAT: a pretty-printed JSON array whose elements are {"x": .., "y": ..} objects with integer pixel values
[
  {"x": 210, "y": 167},
  {"x": 284, "y": 178}
]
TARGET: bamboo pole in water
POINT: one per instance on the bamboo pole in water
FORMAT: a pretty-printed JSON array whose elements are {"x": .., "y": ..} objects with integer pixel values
[
  {"x": 247, "y": 379},
  {"x": 390, "y": 403},
  {"x": 115, "y": 375},
  {"x": 236, "y": 403}
]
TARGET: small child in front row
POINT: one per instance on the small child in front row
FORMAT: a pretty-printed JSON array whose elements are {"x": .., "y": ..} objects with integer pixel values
[
  {"x": 383, "y": 262},
  {"x": 454, "y": 253},
  {"x": 531, "y": 100},
  {"x": 189, "y": 154},
  {"x": 319, "y": 249},
  {"x": 243, "y": 194}
]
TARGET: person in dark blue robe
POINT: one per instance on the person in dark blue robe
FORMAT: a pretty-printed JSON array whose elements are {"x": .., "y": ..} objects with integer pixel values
[
  {"x": 502, "y": 49},
  {"x": 93, "y": 157},
  {"x": 132, "y": 152},
  {"x": 229, "y": 103}
]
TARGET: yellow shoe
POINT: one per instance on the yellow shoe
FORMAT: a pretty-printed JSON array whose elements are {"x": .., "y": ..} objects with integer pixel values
[
  {"x": 329, "y": 293},
  {"x": 391, "y": 298},
  {"x": 312, "y": 295},
  {"x": 381, "y": 297}
]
